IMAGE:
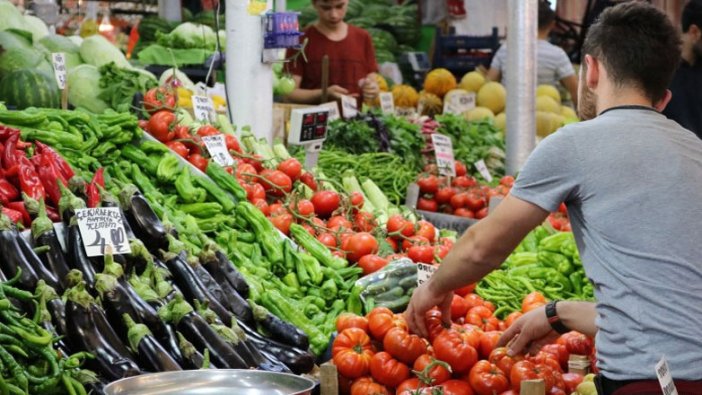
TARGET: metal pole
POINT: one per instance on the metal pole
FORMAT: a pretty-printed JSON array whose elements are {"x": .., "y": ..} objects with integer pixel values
[
  {"x": 521, "y": 82},
  {"x": 170, "y": 10},
  {"x": 249, "y": 80},
  {"x": 281, "y": 5}
]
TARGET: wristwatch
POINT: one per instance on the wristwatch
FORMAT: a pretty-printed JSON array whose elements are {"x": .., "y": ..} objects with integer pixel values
[{"x": 553, "y": 319}]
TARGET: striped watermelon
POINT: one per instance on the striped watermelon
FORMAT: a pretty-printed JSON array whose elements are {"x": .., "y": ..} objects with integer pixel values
[{"x": 29, "y": 88}]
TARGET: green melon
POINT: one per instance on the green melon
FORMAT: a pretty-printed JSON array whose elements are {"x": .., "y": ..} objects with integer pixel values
[
  {"x": 18, "y": 59},
  {"x": 29, "y": 88}
]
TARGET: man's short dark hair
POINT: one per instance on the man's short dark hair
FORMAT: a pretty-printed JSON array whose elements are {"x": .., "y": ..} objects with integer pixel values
[
  {"x": 546, "y": 14},
  {"x": 692, "y": 15},
  {"x": 638, "y": 45}
]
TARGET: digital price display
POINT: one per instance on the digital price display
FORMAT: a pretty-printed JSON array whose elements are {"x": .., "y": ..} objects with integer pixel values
[{"x": 308, "y": 126}]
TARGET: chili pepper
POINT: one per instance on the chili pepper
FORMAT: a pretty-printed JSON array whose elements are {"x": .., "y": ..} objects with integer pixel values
[
  {"x": 63, "y": 166},
  {"x": 554, "y": 242},
  {"x": 168, "y": 168},
  {"x": 313, "y": 247},
  {"x": 353, "y": 302},
  {"x": 576, "y": 280},
  {"x": 92, "y": 191},
  {"x": 19, "y": 207},
  {"x": 188, "y": 192},
  {"x": 556, "y": 278},
  {"x": 565, "y": 267},
  {"x": 11, "y": 157},
  {"x": 522, "y": 258},
  {"x": 14, "y": 215},
  {"x": 551, "y": 259},
  {"x": 29, "y": 180},
  {"x": 135, "y": 155},
  {"x": 50, "y": 178},
  {"x": 6, "y": 132},
  {"x": 8, "y": 192},
  {"x": 269, "y": 238},
  {"x": 226, "y": 181},
  {"x": 53, "y": 214}
]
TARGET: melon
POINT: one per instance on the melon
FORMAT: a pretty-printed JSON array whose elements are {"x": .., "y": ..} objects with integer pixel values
[
  {"x": 501, "y": 121},
  {"x": 18, "y": 59},
  {"x": 439, "y": 82},
  {"x": 429, "y": 104},
  {"x": 549, "y": 90},
  {"x": 547, "y": 123},
  {"x": 404, "y": 96},
  {"x": 568, "y": 113},
  {"x": 472, "y": 81},
  {"x": 479, "y": 114},
  {"x": 546, "y": 103},
  {"x": 492, "y": 95},
  {"x": 29, "y": 88}
]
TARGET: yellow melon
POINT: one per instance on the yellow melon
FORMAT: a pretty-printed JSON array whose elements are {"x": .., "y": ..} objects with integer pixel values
[
  {"x": 439, "y": 82},
  {"x": 405, "y": 96},
  {"x": 478, "y": 114},
  {"x": 501, "y": 121},
  {"x": 568, "y": 113},
  {"x": 547, "y": 123},
  {"x": 546, "y": 103},
  {"x": 472, "y": 81},
  {"x": 429, "y": 104},
  {"x": 493, "y": 96},
  {"x": 548, "y": 90}
]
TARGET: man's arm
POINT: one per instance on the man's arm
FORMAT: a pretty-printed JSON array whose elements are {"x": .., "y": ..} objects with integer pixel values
[
  {"x": 493, "y": 74},
  {"x": 313, "y": 96},
  {"x": 481, "y": 249},
  {"x": 571, "y": 84}
]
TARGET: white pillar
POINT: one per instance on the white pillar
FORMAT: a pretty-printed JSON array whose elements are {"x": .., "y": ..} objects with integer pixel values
[
  {"x": 281, "y": 5},
  {"x": 170, "y": 10},
  {"x": 521, "y": 82},
  {"x": 249, "y": 81}
]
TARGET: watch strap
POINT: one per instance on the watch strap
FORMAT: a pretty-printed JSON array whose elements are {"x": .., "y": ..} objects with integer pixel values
[{"x": 553, "y": 319}]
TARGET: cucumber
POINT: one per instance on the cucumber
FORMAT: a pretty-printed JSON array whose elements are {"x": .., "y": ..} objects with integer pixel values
[
  {"x": 381, "y": 286},
  {"x": 408, "y": 282},
  {"x": 390, "y": 295},
  {"x": 396, "y": 306}
]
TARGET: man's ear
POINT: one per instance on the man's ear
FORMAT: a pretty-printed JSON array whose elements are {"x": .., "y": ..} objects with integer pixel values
[
  {"x": 695, "y": 31},
  {"x": 660, "y": 106},
  {"x": 592, "y": 75}
]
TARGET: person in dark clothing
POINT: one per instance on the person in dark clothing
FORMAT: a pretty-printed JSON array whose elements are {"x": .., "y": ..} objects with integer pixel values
[{"x": 686, "y": 105}]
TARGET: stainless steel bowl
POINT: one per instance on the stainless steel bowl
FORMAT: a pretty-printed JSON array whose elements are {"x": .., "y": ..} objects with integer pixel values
[{"x": 212, "y": 382}]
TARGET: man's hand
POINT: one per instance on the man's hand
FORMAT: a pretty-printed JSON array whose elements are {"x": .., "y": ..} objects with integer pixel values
[
  {"x": 335, "y": 92},
  {"x": 423, "y": 299},
  {"x": 530, "y": 332},
  {"x": 370, "y": 87}
]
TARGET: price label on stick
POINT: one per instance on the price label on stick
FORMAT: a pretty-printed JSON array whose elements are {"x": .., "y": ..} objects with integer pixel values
[
  {"x": 460, "y": 103},
  {"x": 665, "y": 378},
  {"x": 443, "y": 150},
  {"x": 203, "y": 108},
  {"x": 217, "y": 147},
  {"x": 483, "y": 170},
  {"x": 102, "y": 230},
  {"x": 59, "y": 62},
  {"x": 349, "y": 106},
  {"x": 424, "y": 272},
  {"x": 387, "y": 103},
  {"x": 333, "y": 108}
]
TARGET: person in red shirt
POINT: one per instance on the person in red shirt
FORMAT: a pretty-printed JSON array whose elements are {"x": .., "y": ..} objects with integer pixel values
[{"x": 351, "y": 54}]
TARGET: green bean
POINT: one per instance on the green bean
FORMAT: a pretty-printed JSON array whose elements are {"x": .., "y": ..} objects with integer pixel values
[{"x": 14, "y": 368}]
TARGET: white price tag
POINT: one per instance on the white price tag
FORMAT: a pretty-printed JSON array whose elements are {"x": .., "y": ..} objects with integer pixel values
[
  {"x": 349, "y": 106},
  {"x": 424, "y": 272},
  {"x": 443, "y": 150},
  {"x": 406, "y": 111},
  {"x": 203, "y": 108},
  {"x": 217, "y": 147},
  {"x": 460, "y": 103},
  {"x": 333, "y": 108},
  {"x": 483, "y": 170},
  {"x": 665, "y": 378},
  {"x": 102, "y": 229},
  {"x": 59, "y": 62},
  {"x": 387, "y": 103}
]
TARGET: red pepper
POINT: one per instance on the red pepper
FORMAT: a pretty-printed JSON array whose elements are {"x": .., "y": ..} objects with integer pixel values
[
  {"x": 52, "y": 214},
  {"x": 6, "y": 132},
  {"x": 29, "y": 179},
  {"x": 19, "y": 207},
  {"x": 50, "y": 176},
  {"x": 11, "y": 156},
  {"x": 58, "y": 160},
  {"x": 14, "y": 215},
  {"x": 8, "y": 192},
  {"x": 93, "y": 189}
]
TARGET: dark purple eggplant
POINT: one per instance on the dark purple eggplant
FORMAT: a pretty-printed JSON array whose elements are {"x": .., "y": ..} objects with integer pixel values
[
  {"x": 151, "y": 354},
  {"x": 187, "y": 280},
  {"x": 89, "y": 331},
  {"x": 143, "y": 220},
  {"x": 299, "y": 361},
  {"x": 200, "y": 334},
  {"x": 223, "y": 270},
  {"x": 43, "y": 273},
  {"x": 225, "y": 295},
  {"x": 193, "y": 358},
  {"x": 77, "y": 257},
  {"x": 280, "y": 330},
  {"x": 68, "y": 204},
  {"x": 13, "y": 256},
  {"x": 45, "y": 316},
  {"x": 44, "y": 235}
]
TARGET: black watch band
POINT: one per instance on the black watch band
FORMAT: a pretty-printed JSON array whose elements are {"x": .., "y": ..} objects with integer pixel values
[{"x": 552, "y": 316}]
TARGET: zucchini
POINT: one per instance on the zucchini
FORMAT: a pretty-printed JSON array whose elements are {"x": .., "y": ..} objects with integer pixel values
[
  {"x": 381, "y": 286},
  {"x": 390, "y": 295},
  {"x": 408, "y": 282},
  {"x": 396, "y": 306}
]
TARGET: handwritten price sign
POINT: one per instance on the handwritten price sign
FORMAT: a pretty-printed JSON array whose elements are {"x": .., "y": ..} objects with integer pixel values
[
  {"x": 102, "y": 229},
  {"x": 217, "y": 147},
  {"x": 59, "y": 61}
]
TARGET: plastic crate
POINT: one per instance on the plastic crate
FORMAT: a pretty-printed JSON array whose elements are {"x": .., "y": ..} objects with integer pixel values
[{"x": 461, "y": 54}]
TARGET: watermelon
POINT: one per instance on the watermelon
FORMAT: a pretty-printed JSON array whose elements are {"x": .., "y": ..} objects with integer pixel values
[
  {"x": 18, "y": 59},
  {"x": 12, "y": 40},
  {"x": 29, "y": 88}
]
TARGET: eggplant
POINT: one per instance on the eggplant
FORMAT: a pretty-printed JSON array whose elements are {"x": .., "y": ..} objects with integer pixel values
[
  {"x": 223, "y": 270},
  {"x": 44, "y": 235},
  {"x": 43, "y": 273},
  {"x": 143, "y": 220},
  {"x": 89, "y": 331},
  {"x": 187, "y": 280},
  {"x": 193, "y": 358},
  {"x": 57, "y": 327},
  {"x": 138, "y": 259},
  {"x": 150, "y": 353},
  {"x": 299, "y": 361},
  {"x": 280, "y": 330},
  {"x": 226, "y": 296},
  {"x": 14, "y": 258},
  {"x": 77, "y": 256}
]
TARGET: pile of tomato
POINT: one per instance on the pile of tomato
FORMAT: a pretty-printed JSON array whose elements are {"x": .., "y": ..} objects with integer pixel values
[
  {"x": 377, "y": 355},
  {"x": 461, "y": 195}
]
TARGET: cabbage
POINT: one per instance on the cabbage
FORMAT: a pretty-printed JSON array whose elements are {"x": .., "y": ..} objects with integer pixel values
[
  {"x": 185, "y": 82},
  {"x": 83, "y": 91},
  {"x": 189, "y": 35},
  {"x": 14, "y": 39},
  {"x": 97, "y": 51},
  {"x": 54, "y": 43},
  {"x": 10, "y": 17},
  {"x": 77, "y": 40},
  {"x": 36, "y": 26}
]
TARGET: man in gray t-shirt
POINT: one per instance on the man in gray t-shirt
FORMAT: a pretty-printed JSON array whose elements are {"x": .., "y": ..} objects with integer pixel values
[{"x": 632, "y": 182}]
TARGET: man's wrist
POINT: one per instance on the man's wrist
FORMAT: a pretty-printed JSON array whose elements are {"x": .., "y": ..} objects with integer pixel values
[{"x": 554, "y": 319}]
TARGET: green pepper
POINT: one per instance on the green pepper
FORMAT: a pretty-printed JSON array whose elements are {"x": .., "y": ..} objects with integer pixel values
[
  {"x": 312, "y": 267},
  {"x": 576, "y": 280},
  {"x": 554, "y": 242},
  {"x": 201, "y": 210},
  {"x": 188, "y": 192},
  {"x": 144, "y": 184},
  {"x": 168, "y": 168},
  {"x": 588, "y": 290},
  {"x": 216, "y": 192},
  {"x": 268, "y": 237},
  {"x": 522, "y": 259},
  {"x": 290, "y": 280},
  {"x": 135, "y": 155},
  {"x": 315, "y": 248},
  {"x": 569, "y": 249},
  {"x": 25, "y": 118},
  {"x": 153, "y": 147},
  {"x": 541, "y": 233},
  {"x": 330, "y": 322},
  {"x": 565, "y": 267},
  {"x": 530, "y": 243},
  {"x": 558, "y": 279},
  {"x": 225, "y": 180},
  {"x": 329, "y": 290},
  {"x": 551, "y": 259},
  {"x": 103, "y": 149},
  {"x": 301, "y": 271},
  {"x": 353, "y": 302}
]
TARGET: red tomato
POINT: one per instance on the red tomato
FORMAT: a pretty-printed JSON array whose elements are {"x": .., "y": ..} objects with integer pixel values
[
  {"x": 571, "y": 381},
  {"x": 207, "y": 130},
  {"x": 452, "y": 348},
  {"x": 388, "y": 370},
  {"x": 503, "y": 361},
  {"x": 475, "y": 202},
  {"x": 381, "y": 320},
  {"x": 392, "y": 242},
  {"x": 257, "y": 192},
  {"x": 371, "y": 263},
  {"x": 487, "y": 379},
  {"x": 421, "y": 253},
  {"x": 444, "y": 195},
  {"x": 291, "y": 167},
  {"x": 161, "y": 125},
  {"x": 427, "y": 230},
  {"x": 464, "y": 212},
  {"x": 352, "y": 353},
  {"x": 325, "y": 203},
  {"x": 461, "y": 169},
  {"x": 364, "y": 221},
  {"x": 277, "y": 209},
  {"x": 556, "y": 391},
  {"x": 327, "y": 239},
  {"x": 482, "y": 317},
  {"x": 434, "y": 323},
  {"x": 482, "y": 213},
  {"x": 525, "y": 370},
  {"x": 159, "y": 98},
  {"x": 304, "y": 208},
  {"x": 232, "y": 143},
  {"x": 366, "y": 386},
  {"x": 459, "y": 200},
  {"x": 428, "y": 184},
  {"x": 535, "y": 297},
  {"x": 404, "y": 346},
  {"x": 276, "y": 182},
  {"x": 440, "y": 253},
  {"x": 559, "y": 352},
  {"x": 339, "y": 221},
  {"x": 425, "y": 204},
  {"x": 513, "y": 316},
  {"x": 459, "y": 307},
  {"x": 398, "y": 224},
  {"x": 490, "y": 306},
  {"x": 356, "y": 200},
  {"x": 198, "y": 161},
  {"x": 308, "y": 179},
  {"x": 465, "y": 290},
  {"x": 464, "y": 182},
  {"x": 488, "y": 341},
  {"x": 576, "y": 343},
  {"x": 350, "y": 320},
  {"x": 282, "y": 222},
  {"x": 246, "y": 172},
  {"x": 361, "y": 244},
  {"x": 470, "y": 333},
  {"x": 179, "y": 148},
  {"x": 507, "y": 181},
  {"x": 437, "y": 373},
  {"x": 414, "y": 241},
  {"x": 456, "y": 387},
  {"x": 262, "y": 205},
  {"x": 408, "y": 386}
]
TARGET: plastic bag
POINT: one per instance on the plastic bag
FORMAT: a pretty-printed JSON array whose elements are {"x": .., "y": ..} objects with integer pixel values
[{"x": 389, "y": 287}]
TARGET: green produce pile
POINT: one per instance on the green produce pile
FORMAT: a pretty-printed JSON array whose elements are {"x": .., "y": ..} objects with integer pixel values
[
  {"x": 544, "y": 261},
  {"x": 393, "y": 28},
  {"x": 207, "y": 212},
  {"x": 118, "y": 86},
  {"x": 473, "y": 141},
  {"x": 187, "y": 44}
]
